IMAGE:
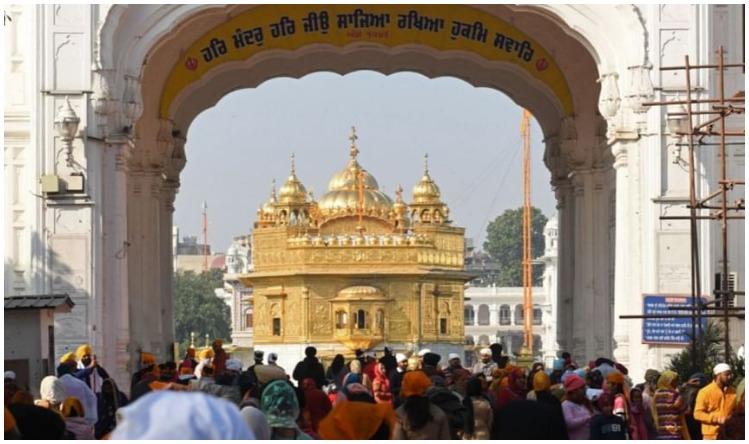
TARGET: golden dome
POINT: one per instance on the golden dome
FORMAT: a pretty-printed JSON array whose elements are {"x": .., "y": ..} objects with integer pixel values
[
  {"x": 292, "y": 191},
  {"x": 426, "y": 191},
  {"x": 269, "y": 207},
  {"x": 346, "y": 186}
]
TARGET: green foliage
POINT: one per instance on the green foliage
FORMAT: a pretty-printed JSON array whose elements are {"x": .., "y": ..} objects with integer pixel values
[
  {"x": 504, "y": 242},
  {"x": 198, "y": 309},
  {"x": 708, "y": 352}
]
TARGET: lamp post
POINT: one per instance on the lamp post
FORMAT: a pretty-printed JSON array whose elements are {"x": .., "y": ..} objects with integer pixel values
[{"x": 66, "y": 126}]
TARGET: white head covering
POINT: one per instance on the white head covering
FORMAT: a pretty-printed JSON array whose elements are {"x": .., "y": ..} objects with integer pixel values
[
  {"x": 452, "y": 356},
  {"x": 485, "y": 351},
  {"x": 52, "y": 390},
  {"x": 400, "y": 357},
  {"x": 424, "y": 351},
  {"x": 233, "y": 364},
  {"x": 272, "y": 357},
  {"x": 10, "y": 374},
  {"x": 720, "y": 368},
  {"x": 256, "y": 421},
  {"x": 73, "y": 386},
  {"x": 200, "y": 416}
]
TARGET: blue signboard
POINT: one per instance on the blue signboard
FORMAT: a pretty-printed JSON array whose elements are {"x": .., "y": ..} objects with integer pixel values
[{"x": 668, "y": 331}]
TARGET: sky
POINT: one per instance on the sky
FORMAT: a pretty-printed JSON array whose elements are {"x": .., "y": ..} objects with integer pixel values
[{"x": 471, "y": 135}]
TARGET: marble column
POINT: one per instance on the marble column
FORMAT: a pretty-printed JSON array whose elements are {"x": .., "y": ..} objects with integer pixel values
[
  {"x": 622, "y": 274},
  {"x": 565, "y": 283}
]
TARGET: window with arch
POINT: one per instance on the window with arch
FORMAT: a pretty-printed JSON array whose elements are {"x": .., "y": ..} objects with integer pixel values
[
  {"x": 469, "y": 315},
  {"x": 538, "y": 315},
  {"x": 443, "y": 326},
  {"x": 341, "y": 319},
  {"x": 519, "y": 314},
  {"x": 276, "y": 326},
  {"x": 380, "y": 320},
  {"x": 483, "y": 314},
  {"x": 247, "y": 319},
  {"x": 360, "y": 320},
  {"x": 504, "y": 315},
  {"x": 469, "y": 340}
]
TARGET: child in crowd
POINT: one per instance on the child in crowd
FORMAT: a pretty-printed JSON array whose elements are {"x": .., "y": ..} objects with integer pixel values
[{"x": 606, "y": 425}]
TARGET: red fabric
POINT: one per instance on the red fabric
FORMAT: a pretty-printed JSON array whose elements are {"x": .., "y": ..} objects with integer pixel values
[
  {"x": 506, "y": 395},
  {"x": 369, "y": 370},
  {"x": 219, "y": 362},
  {"x": 318, "y": 404},
  {"x": 381, "y": 387}
]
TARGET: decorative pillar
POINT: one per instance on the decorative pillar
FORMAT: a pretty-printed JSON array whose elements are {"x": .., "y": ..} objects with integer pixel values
[
  {"x": 118, "y": 292},
  {"x": 622, "y": 274},
  {"x": 173, "y": 166}
]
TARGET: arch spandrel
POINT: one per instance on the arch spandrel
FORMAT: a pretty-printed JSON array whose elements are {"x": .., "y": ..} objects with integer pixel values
[{"x": 450, "y": 28}]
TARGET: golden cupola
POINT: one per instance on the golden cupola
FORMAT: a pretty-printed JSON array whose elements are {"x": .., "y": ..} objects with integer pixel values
[
  {"x": 292, "y": 191},
  {"x": 427, "y": 208},
  {"x": 353, "y": 190},
  {"x": 267, "y": 211},
  {"x": 426, "y": 191}
]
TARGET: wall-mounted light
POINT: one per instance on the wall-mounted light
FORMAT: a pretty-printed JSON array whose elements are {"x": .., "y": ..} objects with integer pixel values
[
  {"x": 66, "y": 126},
  {"x": 678, "y": 126}
]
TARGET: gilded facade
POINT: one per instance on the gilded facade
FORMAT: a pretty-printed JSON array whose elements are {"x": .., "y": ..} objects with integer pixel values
[{"x": 356, "y": 269}]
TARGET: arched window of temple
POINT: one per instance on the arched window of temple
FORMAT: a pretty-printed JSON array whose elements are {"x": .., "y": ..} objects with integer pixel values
[
  {"x": 538, "y": 315},
  {"x": 504, "y": 315},
  {"x": 361, "y": 319},
  {"x": 519, "y": 314},
  {"x": 380, "y": 320},
  {"x": 341, "y": 319},
  {"x": 483, "y": 314},
  {"x": 469, "y": 315}
]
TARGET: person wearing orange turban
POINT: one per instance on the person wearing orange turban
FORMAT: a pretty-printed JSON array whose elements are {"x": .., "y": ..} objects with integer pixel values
[{"x": 418, "y": 418}]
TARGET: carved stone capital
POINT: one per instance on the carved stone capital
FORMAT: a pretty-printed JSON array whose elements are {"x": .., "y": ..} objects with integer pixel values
[
  {"x": 177, "y": 160},
  {"x": 132, "y": 105},
  {"x": 609, "y": 100},
  {"x": 639, "y": 88}
]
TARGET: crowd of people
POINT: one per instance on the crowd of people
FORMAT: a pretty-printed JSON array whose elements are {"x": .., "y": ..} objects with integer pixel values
[{"x": 393, "y": 396}]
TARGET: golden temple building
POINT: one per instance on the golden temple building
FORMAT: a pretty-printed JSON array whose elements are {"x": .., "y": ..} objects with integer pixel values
[{"x": 355, "y": 269}]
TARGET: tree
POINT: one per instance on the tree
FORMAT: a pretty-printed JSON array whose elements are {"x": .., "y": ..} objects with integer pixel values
[
  {"x": 196, "y": 307},
  {"x": 710, "y": 351},
  {"x": 504, "y": 242}
]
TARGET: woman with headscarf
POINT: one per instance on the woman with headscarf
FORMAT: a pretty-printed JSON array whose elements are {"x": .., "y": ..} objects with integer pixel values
[
  {"x": 638, "y": 428},
  {"x": 256, "y": 421},
  {"x": 317, "y": 403},
  {"x": 355, "y": 374},
  {"x": 358, "y": 420},
  {"x": 281, "y": 406},
  {"x": 52, "y": 394},
  {"x": 417, "y": 418},
  {"x": 72, "y": 410},
  {"x": 669, "y": 408},
  {"x": 109, "y": 400},
  {"x": 515, "y": 390},
  {"x": 576, "y": 408},
  {"x": 480, "y": 416},
  {"x": 381, "y": 385},
  {"x": 617, "y": 387}
]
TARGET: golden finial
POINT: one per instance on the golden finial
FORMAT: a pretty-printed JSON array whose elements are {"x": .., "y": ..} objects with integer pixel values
[
  {"x": 426, "y": 164},
  {"x": 273, "y": 189},
  {"x": 399, "y": 193},
  {"x": 354, "y": 150},
  {"x": 292, "y": 164}
]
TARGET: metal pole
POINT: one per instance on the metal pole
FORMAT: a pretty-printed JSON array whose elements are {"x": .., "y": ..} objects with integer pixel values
[
  {"x": 696, "y": 321},
  {"x": 724, "y": 198}
]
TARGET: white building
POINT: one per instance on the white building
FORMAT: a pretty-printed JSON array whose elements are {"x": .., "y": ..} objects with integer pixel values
[
  {"x": 494, "y": 314},
  {"x": 100, "y": 98},
  {"x": 239, "y": 261}
]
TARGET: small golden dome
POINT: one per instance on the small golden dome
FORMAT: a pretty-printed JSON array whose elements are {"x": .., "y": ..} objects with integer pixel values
[
  {"x": 292, "y": 191},
  {"x": 426, "y": 191},
  {"x": 345, "y": 187},
  {"x": 269, "y": 207}
]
